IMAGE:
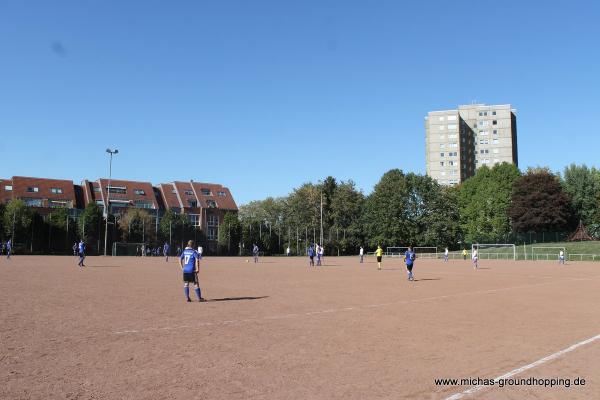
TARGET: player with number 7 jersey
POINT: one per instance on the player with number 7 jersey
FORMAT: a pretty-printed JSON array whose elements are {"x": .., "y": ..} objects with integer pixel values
[{"x": 189, "y": 260}]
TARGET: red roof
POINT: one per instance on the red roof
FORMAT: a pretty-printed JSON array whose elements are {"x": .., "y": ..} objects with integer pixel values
[{"x": 48, "y": 191}]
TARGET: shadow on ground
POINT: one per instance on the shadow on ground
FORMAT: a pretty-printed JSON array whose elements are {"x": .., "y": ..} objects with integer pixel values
[{"x": 238, "y": 298}]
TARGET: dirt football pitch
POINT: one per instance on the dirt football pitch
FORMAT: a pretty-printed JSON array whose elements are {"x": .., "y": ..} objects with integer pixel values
[{"x": 120, "y": 329}]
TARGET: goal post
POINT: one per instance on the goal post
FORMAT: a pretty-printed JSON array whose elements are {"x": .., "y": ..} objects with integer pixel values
[
  {"x": 545, "y": 252},
  {"x": 127, "y": 249},
  {"x": 495, "y": 251}
]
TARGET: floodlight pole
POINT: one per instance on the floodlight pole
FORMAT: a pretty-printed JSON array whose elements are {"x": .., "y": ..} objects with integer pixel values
[
  {"x": 321, "y": 234},
  {"x": 111, "y": 152}
]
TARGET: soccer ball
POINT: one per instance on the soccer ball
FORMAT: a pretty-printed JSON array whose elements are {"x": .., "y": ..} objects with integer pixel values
[{"x": 247, "y": 261}]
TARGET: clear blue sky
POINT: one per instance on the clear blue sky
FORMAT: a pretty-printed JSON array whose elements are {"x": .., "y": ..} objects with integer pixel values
[{"x": 262, "y": 96}]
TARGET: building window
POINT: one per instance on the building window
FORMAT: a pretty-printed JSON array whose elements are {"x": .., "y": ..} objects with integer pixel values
[
  {"x": 142, "y": 204},
  {"x": 495, "y": 131},
  {"x": 189, "y": 193},
  {"x": 96, "y": 189},
  {"x": 57, "y": 203},
  {"x": 441, "y": 154},
  {"x": 451, "y": 126},
  {"x": 486, "y": 151},
  {"x": 493, "y": 112},
  {"x": 117, "y": 189},
  {"x": 140, "y": 192},
  {"x": 442, "y": 145},
  {"x": 56, "y": 190},
  {"x": 212, "y": 224},
  {"x": 194, "y": 219},
  {"x": 441, "y": 118},
  {"x": 496, "y": 151},
  {"x": 192, "y": 203},
  {"x": 173, "y": 191},
  {"x": 495, "y": 122},
  {"x": 453, "y": 154},
  {"x": 495, "y": 141},
  {"x": 441, "y": 163},
  {"x": 450, "y": 162},
  {"x": 8, "y": 188},
  {"x": 452, "y": 136},
  {"x": 33, "y": 202},
  {"x": 211, "y": 204},
  {"x": 221, "y": 193},
  {"x": 451, "y": 117},
  {"x": 33, "y": 189},
  {"x": 205, "y": 192}
]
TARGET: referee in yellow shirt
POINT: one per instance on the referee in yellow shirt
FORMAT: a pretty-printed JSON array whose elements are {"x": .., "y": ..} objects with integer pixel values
[{"x": 379, "y": 254}]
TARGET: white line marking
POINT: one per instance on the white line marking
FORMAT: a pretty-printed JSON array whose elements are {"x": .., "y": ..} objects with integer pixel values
[
  {"x": 517, "y": 371},
  {"x": 337, "y": 310}
]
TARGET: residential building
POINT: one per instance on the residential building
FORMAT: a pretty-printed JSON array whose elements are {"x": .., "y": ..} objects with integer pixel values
[{"x": 458, "y": 142}]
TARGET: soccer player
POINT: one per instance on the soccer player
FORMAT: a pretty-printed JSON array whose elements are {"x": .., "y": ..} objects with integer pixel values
[
  {"x": 8, "y": 248},
  {"x": 446, "y": 254},
  {"x": 475, "y": 258},
  {"x": 288, "y": 251},
  {"x": 255, "y": 252},
  {"x": 561, "y": 258},
  {"x": 311, "y": 255},
  {"x": 465, "y": 253},
  {"x": 409, "y": 259},
  {"x": 166, "y": 249},
  {"x": 319, "y": 254},
  {"x": 189, "y": 261},
  {"x": 200, "y": 251},
  {"x": 379, "y": 254},
  {"x": 81, "y": 252},
  {"x": 361, "y": 253}
]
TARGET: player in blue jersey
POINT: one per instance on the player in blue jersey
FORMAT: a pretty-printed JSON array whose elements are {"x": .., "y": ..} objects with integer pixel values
[
  {"x": 189, "y": 260},
  {"x": 409, "y": 259},
  {"x": 166, "y": 249},
  {"x": 81, "y": 252},
  {"x": 311, "y": 256},
  {"x": 8, "y": 249}
]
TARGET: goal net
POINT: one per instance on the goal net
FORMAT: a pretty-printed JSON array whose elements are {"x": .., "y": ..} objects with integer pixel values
[
  {"x": 495, "y": 251},
  {"x": 546, "y": 252},
  {"x": 127, "y": 249}
]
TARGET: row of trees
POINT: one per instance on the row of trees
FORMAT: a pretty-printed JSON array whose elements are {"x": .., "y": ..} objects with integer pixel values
[{"x": 498, "y": 205}]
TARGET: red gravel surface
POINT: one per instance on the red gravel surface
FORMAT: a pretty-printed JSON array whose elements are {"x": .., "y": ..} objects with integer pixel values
[{"x": 120, "y": 329}]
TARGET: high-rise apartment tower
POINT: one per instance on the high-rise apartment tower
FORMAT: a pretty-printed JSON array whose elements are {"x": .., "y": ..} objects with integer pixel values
[{"x": 457, "y": 142}]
